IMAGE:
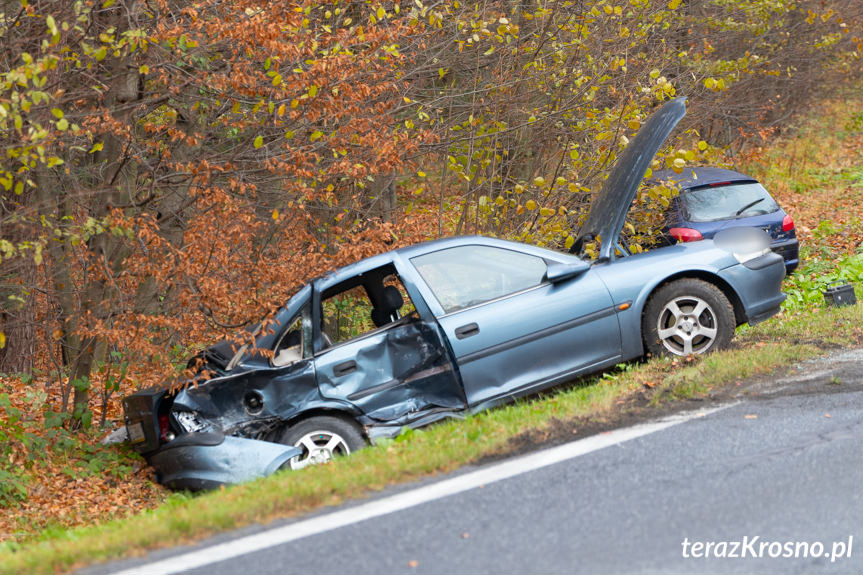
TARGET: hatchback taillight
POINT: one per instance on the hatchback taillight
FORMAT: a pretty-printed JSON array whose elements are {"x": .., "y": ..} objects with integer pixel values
[
  {"x": 787, "y": 223},
  {"x": 685, "y": 234}
]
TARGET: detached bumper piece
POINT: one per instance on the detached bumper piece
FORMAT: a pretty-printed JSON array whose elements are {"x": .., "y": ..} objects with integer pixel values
[{"x": 198, "y": 461}]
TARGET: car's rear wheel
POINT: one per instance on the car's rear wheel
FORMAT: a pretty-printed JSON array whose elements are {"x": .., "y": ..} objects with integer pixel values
[
  {"x": 687, "y": 316},
  {"x": 322, "y": 438}
]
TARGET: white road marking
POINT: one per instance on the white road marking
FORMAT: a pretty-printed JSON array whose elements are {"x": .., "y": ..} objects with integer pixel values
[{"x": 458, "y": 484}]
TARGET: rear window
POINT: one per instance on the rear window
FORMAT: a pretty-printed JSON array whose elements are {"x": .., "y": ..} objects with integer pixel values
[{"x": 727, "y": 202}]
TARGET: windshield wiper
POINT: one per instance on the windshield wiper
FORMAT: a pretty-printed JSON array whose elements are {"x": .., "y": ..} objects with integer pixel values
[{"x": 749, "y": 205}]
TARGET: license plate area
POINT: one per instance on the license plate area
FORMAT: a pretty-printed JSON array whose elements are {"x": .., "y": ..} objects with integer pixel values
[{"x": 136, "y": 432}]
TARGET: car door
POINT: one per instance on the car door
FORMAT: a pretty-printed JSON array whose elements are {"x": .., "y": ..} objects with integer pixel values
[
  {"x": 394, "y": 368},
  {"x": 510, "y": 329}
]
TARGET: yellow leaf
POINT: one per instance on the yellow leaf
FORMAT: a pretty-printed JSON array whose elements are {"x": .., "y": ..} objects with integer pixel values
[
  {"x": 2, "y": 340},
  {"x": 702, "y": 145},
  {"x": 276, "y": 214},
  {"x": 281, "y": 110},
  {"x": 259, "y": 141},
  {"x": 530, "y": 205}
]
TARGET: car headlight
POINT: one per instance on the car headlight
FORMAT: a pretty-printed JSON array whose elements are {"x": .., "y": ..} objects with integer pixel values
[
  {"x": 745, "y": 244},
  {"x": 745, "y": 257},
  {"x": 190, "y": 421}
]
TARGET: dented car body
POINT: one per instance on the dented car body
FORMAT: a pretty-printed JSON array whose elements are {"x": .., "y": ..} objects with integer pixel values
[{"x": 447, "y": 328}]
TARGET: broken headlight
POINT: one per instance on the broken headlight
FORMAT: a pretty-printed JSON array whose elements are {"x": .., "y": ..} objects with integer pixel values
[{"x": 190, "y": 421}]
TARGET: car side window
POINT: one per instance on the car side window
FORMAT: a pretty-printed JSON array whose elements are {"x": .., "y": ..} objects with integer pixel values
[
  {"x": 291, "y": 346},
  {"x": 346, "y": 315},
  {"x": 465, "y": 276},
  {"x": 379, "y": 302}
]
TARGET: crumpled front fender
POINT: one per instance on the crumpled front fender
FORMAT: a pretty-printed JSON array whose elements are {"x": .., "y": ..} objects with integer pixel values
[{"x": 209, "y": 460}]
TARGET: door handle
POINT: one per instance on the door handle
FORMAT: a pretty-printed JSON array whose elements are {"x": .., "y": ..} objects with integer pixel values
[
  {"x": 466, "y": 331},
  {"x": 345, "y": 368}
]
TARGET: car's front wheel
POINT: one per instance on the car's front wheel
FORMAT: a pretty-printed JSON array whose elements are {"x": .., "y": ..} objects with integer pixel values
[
  {"x": 687, "y": 316},
  {"x": 322, "y": 438}
]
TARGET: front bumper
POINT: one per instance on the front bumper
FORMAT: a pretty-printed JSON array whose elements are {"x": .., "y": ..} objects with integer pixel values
[
  {"x": 197, "y": 461},
  {"x": 758, "y": 284}
]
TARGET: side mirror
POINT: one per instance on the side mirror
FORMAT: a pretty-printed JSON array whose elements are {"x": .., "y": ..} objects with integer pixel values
[{"x": 562, "y": 272}]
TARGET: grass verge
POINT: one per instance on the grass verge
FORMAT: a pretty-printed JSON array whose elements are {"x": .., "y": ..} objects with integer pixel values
[{"x": 567, "y": 414}]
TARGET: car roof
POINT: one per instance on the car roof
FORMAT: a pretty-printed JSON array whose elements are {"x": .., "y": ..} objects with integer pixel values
[
  {"x": 334, "y": 277},
  {"x": 699, "y": 177}
]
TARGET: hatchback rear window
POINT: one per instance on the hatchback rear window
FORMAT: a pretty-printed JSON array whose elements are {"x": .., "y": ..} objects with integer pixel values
[{"x": 726, "y": 202}]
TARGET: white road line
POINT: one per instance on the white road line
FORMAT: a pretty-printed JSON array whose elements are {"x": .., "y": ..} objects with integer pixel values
[{"x": 400, "y": 501}]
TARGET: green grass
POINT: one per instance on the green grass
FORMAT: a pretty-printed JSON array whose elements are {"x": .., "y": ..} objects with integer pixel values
[{"x": 183, "y": 518}]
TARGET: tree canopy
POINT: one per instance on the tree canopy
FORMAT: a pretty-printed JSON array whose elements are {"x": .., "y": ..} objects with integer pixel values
[{"x": 174, "y": 169}]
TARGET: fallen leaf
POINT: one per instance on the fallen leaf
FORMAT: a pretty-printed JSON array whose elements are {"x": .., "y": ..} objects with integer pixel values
[
  {"x": 751, "y": 416},
  {"x": 413, "y": 563}
]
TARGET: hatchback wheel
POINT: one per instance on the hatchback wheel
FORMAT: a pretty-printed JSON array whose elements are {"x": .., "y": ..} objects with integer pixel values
[
  {"x": 687, "y": 316},
  {"x": 322, "y": 438}
]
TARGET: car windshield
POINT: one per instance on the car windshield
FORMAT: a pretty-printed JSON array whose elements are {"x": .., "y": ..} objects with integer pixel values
[{"x": 727, "y": 201}]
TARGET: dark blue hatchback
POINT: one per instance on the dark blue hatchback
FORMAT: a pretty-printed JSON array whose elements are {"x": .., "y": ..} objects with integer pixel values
[{"x": 712, "y": 199}]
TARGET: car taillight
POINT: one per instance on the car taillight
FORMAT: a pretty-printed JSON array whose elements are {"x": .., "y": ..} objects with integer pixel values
[
  {"x": 165, "y": 433},
  {"x": 787, "y": 223},
  {"x": 685, "y": 234}
]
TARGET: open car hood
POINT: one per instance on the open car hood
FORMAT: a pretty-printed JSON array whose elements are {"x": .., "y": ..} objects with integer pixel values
[{"x": 608, "y": 210}]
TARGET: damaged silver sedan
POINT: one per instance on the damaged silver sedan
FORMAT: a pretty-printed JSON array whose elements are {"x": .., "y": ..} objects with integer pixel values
[{"x": 447, "y": 328}]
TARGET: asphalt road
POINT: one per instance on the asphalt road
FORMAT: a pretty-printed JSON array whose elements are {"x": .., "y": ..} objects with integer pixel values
[{"x": 777, "y": 474}]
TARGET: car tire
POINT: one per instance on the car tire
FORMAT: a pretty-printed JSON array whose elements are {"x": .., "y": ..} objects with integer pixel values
[
  {"x": 687, "y": 316},
  {"x": 321, "y": 438}
]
